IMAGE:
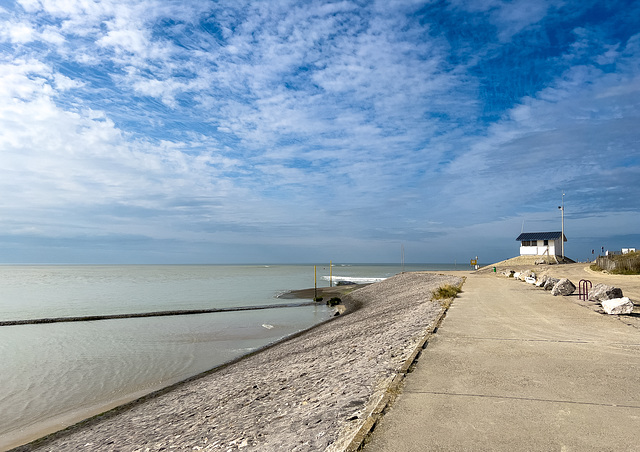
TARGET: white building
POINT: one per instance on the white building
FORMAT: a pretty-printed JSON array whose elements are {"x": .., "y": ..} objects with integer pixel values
[{"x": 540, "y": 243}]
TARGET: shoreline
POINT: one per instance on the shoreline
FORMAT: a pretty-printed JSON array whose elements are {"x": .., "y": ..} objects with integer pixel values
[
  {"x": 301, "y": 393},
  {"x": 88, "y": 415}
]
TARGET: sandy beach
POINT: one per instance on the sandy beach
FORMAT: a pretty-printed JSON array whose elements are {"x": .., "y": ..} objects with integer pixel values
[{"x": 311, "y": 392}]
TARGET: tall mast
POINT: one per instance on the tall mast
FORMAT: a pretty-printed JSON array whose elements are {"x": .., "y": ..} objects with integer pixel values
[{"x": 562, "y": 238}]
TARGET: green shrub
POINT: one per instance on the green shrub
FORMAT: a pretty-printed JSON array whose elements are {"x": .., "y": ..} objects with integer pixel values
[
  {"x": 318, "y": 299},
  {"x": 334, "y": 301}
]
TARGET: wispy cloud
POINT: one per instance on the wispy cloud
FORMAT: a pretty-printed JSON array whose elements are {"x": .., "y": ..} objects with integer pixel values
[{"x": 298, "y": 125}]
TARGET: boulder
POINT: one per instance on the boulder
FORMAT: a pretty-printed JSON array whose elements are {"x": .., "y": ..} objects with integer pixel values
[
  {"x": 617, "y": 306},
  {"x": 563, "y": 287},
  {"x": 530, "y": 280},
  {"x": 527, "y": 274},
  {"x": 601, "y": 292},
  {"x": 516, "y": 275},
  {"x": 550, "y": 282},
  {"x": 540, "y": 282}
]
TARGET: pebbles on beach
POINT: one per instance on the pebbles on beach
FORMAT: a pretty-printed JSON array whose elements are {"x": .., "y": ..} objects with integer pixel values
[{"x": 307, "y": 393}]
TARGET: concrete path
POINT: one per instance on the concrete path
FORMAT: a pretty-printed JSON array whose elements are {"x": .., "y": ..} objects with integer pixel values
[{"x": 513, "y": 368}]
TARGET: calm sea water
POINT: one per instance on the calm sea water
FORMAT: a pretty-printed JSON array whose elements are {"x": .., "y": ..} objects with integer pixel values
[{"x": 56, "y": 374}]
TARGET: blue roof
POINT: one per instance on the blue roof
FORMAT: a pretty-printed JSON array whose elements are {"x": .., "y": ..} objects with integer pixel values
[{"x": 540, "y": 236}]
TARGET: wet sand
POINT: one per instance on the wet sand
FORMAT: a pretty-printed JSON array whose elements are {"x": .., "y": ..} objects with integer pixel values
[{"x": 313, "y": 391}]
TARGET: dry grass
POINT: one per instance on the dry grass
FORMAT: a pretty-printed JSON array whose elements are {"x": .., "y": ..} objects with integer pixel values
[{"x": 445, "y": 294}]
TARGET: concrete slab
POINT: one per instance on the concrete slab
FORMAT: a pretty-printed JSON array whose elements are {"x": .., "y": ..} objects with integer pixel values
[{"x": 514, "y": 368}]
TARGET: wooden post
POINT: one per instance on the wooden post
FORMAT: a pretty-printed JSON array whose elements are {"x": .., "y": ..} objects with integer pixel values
[
  {"x": 315, "y": 285},
  {"x": 330, "y": 275}
]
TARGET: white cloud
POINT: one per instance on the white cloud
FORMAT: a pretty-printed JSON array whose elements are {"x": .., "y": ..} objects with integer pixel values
[
  {"x": 18, "y": 33},
  {"x": 513, "y": 17},
  {"x": 567, "y": 137},
  {"x": 215, "y": 121},
  {"x": 79, "y": 161}
]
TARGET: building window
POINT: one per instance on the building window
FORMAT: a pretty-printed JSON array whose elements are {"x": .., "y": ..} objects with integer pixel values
[
  {"x": 546, "y": 243},
  {"x": 529, "y": 242}
]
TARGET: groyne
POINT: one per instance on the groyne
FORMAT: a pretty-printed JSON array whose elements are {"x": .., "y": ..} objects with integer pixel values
[{"x": 90, "y": 318}]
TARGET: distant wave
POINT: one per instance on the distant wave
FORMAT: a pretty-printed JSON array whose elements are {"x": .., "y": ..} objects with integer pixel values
[{"x": 354, "y": 279}]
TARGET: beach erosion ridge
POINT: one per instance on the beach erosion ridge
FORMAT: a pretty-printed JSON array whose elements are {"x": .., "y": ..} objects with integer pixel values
[{"x": 311, "y": 391}]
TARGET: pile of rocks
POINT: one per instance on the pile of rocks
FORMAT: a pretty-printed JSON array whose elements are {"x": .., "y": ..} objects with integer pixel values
[{"x": 609, "y": 297}]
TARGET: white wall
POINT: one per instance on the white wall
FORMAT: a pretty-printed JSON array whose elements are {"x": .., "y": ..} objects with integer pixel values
[{"x": 541, "y": 249}]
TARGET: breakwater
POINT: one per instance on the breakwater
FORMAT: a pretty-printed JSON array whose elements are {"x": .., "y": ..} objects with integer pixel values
[{"x": 90, "y": 318}]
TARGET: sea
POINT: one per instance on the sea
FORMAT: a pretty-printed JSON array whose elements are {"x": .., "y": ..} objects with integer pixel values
[{"x": 55, "y": 374}]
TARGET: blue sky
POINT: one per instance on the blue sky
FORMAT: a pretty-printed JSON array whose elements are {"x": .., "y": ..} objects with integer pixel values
[{"x": 159, "y": 131}]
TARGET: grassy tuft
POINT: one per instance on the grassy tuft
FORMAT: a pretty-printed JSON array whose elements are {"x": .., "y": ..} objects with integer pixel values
[
  {"x": 595, "y": 268},
  {"x": 446, "y": 291},
  {"x": 625, "y": 271}
]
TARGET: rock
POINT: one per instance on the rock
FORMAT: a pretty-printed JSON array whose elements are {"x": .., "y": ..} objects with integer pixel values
[
  {"x": 527, "y": 274},
  {"x": 563, "y": 287},
  {"x": 550, "y": 282},
  {"x": 508, "y": 273},
  {"x": 617, "y": 306},
  {"x": 540, "y": 282},
  {"x": 516, "y": 275},
  {"x": 530, "y": 280},
  {"x": 601, "y": 292}
]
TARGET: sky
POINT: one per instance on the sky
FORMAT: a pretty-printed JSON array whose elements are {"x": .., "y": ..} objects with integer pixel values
[{"x": 161, "y": 131}]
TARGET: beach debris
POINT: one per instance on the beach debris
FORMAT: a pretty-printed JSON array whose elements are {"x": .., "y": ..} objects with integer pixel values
[
  {"x": 563, "y": 287},
  {"x": 267, "y": 326},
  {"x": 616, "y": 306},
  {"x": 601, "y": 292},
  {"x": 550, "y": 282}
]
